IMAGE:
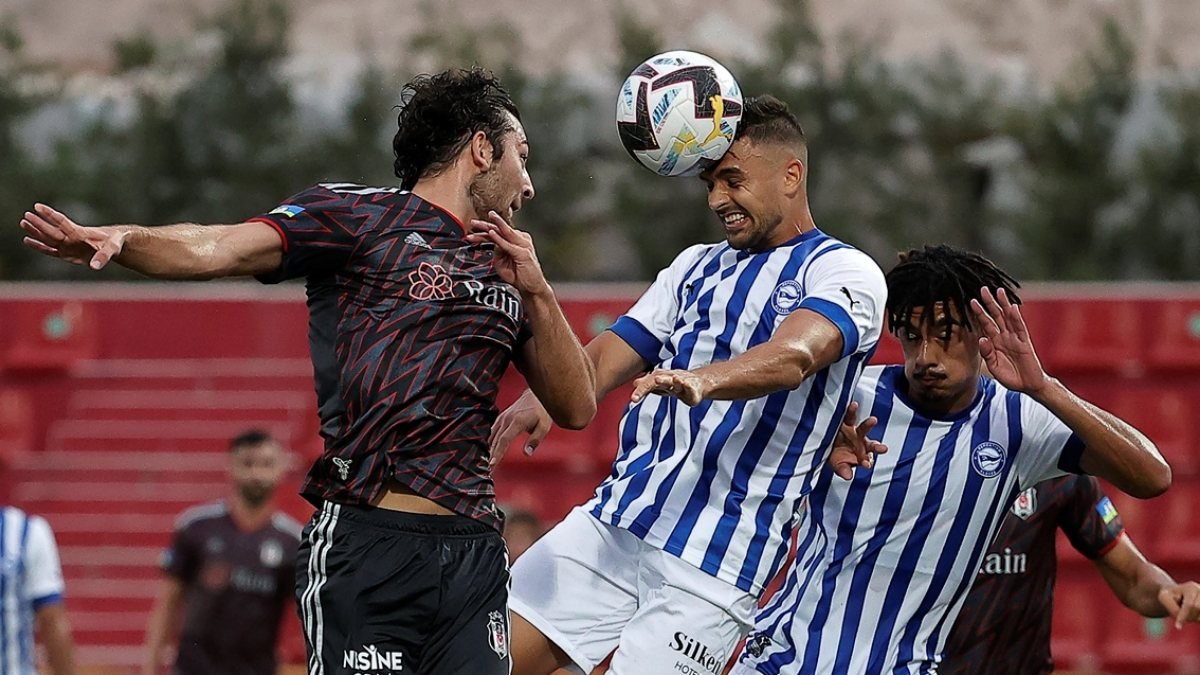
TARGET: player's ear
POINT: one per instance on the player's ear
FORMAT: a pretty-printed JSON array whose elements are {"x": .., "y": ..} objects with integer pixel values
[
  {"x": 481, "y": 151},
  {"x": 793, "y": 176}
]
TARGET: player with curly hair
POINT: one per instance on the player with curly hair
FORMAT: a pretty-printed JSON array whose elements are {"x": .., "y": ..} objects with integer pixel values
[{"x": 413, "y": 319}]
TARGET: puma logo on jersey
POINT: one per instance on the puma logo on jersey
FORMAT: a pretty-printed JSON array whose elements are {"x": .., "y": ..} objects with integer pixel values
[{"x": 846, "y": 291}]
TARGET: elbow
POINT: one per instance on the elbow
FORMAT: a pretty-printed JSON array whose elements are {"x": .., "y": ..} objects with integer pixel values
[
  {"x": 576, "y": 416},
  {"x": 1152, "y": 482},
  {"x": 1158, "y": 480}
]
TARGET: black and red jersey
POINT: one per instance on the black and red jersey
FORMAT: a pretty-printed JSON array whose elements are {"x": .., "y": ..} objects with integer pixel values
[
  {"x": 1004, "y": 626},
  {"x": 410, "y": 330}
]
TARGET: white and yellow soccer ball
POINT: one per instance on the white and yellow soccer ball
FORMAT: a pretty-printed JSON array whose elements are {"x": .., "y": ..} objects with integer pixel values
[{"x": 677, "y": 112}]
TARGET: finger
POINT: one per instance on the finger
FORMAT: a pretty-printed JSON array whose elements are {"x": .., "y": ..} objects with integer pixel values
[
  {"x": 107, "y": 251},
  {"x": 641, "y": 387},
  {"x": 41, "y": 228},
  {"x": 986, "y": 322},
  {"x": 851, "y": 415},
  {"x": 501, "y": 439},
  {"x": 513, "y": 250},
  {"x": 477, "y": 226},
  {"x": 56, "y": 218},
  {"x": 535, "y": 438},
  {"x": 40, "y": 247},
  {"x": 1189, "y": 609},
  {"x": 843, "y": 470},
  {"x": 1170, "y": 602},
  {"x": 995, "y": 311},
  {"x": 1016, "y": 321},
  {"x": 866, "y": 426},
  {"x": 877, "y": 447},
  {"x": 987, "y": 349}
]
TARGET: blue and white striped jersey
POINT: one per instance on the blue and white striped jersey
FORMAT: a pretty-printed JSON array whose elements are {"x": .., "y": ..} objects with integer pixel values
[
  {"x": 30, "y": 577},
  {"x": 885, "y": 560},
  {"x": 718, "y": 484}
]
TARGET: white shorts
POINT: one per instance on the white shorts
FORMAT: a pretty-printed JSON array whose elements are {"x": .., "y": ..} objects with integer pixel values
[{"x": 591, "y": 588}]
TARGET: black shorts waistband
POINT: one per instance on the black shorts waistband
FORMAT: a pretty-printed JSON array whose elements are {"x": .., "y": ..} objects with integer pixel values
[{"x": 454, "y": 525}]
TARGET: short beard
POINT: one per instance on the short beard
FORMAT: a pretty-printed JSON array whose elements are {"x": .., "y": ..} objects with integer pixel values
[
  {"x": 482, "y": 191},
  {"x": 254, "y": 496}
]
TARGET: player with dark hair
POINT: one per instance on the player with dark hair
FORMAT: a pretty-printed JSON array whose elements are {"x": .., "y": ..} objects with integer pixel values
[
  {"x": 754, "y": 344},
  {"x": 230, "y": 572},
  {"x": 884, "y": 560},
  {"x": 1004, "y": 625},
  {"x": 413, "y": 319}
]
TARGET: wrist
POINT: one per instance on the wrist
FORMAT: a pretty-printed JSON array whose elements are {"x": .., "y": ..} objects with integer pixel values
[
  {"x": 1050, "y": 389},
  {"x": 542, "y": 293}
]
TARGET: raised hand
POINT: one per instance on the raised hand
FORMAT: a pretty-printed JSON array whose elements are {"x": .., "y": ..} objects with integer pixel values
[
  {"x": 1006, "y": 347},
  {"x": 52, "y": 233},
  {"x": 525, "y": 416},
  {"x": 516, "y": 260},
  {"x": 682, "y": 384},
  {"x": 851, "y": 447}
]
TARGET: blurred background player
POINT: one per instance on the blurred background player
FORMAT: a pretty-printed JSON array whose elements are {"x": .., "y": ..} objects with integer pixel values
[
  {"x": 522, "y": 527},
  {"x": 230, "y": 573},
  {"x": 31, "y": 597},
  {"x": 884, "y": 560},
  {"x": 757, "y": 343},
  {"x": 1004, "y": 625},
  {"x": 413, "y": 320}
]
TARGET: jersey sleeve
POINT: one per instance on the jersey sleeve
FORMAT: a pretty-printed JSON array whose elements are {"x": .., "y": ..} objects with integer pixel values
[
  {"x": 1089, "y": 519},
  {"x": 1049, "y": 449},
  {"x": 649, "y": 323},
  {"x": 182, "y": 558},
  {"x": 43, "y": 577},
  {"x": 319, "y": 228},
  {"x": 845, "y": 286}
]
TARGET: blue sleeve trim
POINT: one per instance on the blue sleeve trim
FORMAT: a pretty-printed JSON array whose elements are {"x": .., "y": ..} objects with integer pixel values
[
  {"x": 52, "y": 599},
  {"x": 1072, "y": 454},
  {"x": 840, "y": 318},
  {"x": 637, "y": 336}
]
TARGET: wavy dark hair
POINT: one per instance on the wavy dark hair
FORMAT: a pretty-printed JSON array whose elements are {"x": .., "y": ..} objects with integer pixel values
[
  {"x": 438, "y": 115},
  {"x": 933, "y": 274}
]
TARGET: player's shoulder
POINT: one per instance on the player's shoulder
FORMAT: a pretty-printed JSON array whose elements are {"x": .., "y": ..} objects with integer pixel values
[
  {"x": 832, "y": 256},
  {"x": 286, "y": 525},
  {"x": 697, "y": 252},
  {"x": 201, "y": 513},
  {"x": 337, "y": 196}
]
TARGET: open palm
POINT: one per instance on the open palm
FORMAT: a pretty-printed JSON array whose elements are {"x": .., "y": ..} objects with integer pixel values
[{"x": 1006, "y": 347}]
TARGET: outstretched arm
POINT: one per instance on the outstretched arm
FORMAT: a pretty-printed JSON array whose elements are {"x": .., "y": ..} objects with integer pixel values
[
  {"x": 1115, "y": 450},
  {"x": 183, "y": 251},
  {"x": 1145, "y": 588},
  {"x": 805, "y": 343}
]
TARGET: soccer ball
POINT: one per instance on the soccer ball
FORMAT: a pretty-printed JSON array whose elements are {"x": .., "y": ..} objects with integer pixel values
[{"x": 677, "y": 113}]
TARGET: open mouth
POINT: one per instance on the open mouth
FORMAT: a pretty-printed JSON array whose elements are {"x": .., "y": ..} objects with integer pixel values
[{"x": 734, "y": 221}]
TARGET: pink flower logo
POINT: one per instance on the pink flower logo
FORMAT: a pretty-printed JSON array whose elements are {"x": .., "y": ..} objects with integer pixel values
[{"x": 430, "y": 282}]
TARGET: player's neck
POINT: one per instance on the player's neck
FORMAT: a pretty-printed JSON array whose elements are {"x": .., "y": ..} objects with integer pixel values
[
  {"x": 249, "y": 517},
  {"x": 446, "y": 191}
]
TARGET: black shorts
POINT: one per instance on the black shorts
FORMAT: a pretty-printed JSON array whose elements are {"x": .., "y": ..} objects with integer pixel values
[{"x": 388, "y": 592}]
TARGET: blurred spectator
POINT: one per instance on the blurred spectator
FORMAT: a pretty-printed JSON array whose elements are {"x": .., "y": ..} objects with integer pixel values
[
  {"x": 31, "y": 590},
  {"x": 521, "y": 528},
  {"x": 230, "y": 573}
]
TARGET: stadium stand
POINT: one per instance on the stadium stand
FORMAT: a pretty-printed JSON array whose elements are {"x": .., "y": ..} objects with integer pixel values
[{"x": 116, "y": 406}]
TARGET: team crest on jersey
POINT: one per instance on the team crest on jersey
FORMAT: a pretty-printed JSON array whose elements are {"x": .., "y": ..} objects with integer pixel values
[
  {"x": 498, "y": 634},
  {"x": 270, "y": 553},
  {"x": 1025, "y": 504},
  {"x": 786, "y": 297},
  {"x": 988, "y": 459}
]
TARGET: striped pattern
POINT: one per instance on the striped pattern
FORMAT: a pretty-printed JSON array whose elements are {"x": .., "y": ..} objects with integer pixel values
[
  {"x": 885, "y": 560},
  {"x": 718, "y": 484},
  {"x": 311, "y": 614},
  {"x": 30, "y": 577}
]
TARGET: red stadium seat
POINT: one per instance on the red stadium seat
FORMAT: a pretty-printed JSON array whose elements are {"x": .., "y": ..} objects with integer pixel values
[
  {"x": 1134, "y": 644},
  {"x": 1175, "y": 329},
  {"x": 48, "y": 336},
  {"x": 1076, "y": 335},
  {"x": 1075, "y": 640},
  {"x": 1180, "y": 518},
  {"x": 1162, "y": 410}
]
